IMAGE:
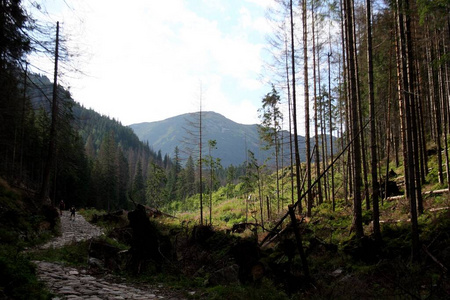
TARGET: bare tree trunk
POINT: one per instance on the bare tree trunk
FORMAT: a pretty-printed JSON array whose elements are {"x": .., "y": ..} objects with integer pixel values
[
  {"x": 405, "y": 56},
  {"x": 438, "y": 126},
  {"x": 316, "y": 107},
  {"x": 330, "y": 108},
  {"x": 294, "y": 113},
  {"x": 444, "y": 99},
  {"x": 298, "y": 238},
  {"x": 290, "y": 124},
  {"x": 43, "y": 195},
  {"x": 360, "y": 116},
  {"x": 306, "y": 99},
  {"x": 356, "y": 159},
  {"x": 373, "y": 142}
]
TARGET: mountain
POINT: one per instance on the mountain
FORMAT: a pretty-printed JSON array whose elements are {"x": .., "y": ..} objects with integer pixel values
[{"x": 233, "y": 139}]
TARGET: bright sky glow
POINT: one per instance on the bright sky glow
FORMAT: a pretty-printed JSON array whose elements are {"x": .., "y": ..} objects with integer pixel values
[{"x": 145, "y": 61}]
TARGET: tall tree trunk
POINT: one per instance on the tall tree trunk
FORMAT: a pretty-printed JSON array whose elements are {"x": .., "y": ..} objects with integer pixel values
[
  {"x": 373, "y": 142},
  {"x": 291, "y": 149},
  {"x": 444, "y": 100},
  {"x": 360, "y": 118},
  {"x": 330, "y": 108},
  {"x": 316, "y": 107},
  {"x": 407, "y": 102},
  {"x": 438, "y": 118},
  {"x": 200, "y": 160},
  {"x": 43, "y": 195},
  {"x": 306, "y": 99},
  {"x": 294, "y": 113},
  {"x": 356, "y": 159},
  {"x": 277, "y": 157}
]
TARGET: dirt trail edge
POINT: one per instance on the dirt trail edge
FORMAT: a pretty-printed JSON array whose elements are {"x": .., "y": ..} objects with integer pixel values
[{"x": 72, "y": 283}]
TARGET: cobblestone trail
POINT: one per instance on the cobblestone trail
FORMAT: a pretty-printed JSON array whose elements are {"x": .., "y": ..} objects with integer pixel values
[
  {"x": 73, "y": 231},
  {"x": 72, "y": 283}
]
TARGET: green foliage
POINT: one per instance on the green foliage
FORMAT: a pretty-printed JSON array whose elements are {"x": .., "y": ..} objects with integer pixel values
[
  {"x": 265, "y": 291},
  {"x": 156, "y": 182}
]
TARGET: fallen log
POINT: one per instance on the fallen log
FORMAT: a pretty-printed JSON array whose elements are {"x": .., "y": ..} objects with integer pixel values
[
  {"x": 425, "y": 249},
  {"x": 155, "y": 213},
  {"x": 442, "y": 191},
  {"x": 437, "y": 192}
]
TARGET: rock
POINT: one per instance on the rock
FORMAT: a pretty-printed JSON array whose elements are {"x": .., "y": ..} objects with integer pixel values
[
  {"x": 95, "y": 262},
  {"x": 107, "y": 253},
  {"x": 225, "y": 276},
  {"x": 336, "y": 272}
]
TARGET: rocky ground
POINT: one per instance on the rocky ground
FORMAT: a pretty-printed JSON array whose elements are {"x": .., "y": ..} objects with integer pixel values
[
  {"x": 73, "y": 231},
  {"x": 71, "y": 283}
]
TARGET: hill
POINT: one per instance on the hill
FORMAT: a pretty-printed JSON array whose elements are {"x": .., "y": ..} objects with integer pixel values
[
  {"x": 233, "y": 139},
  {"x": 87, "y": 144},
  {"x": 87, "y": 122}
]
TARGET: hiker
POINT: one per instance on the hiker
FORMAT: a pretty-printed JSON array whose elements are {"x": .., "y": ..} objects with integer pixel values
[
  {"x": 61, "y": 207},
  {"x": 72, "y": 213}
]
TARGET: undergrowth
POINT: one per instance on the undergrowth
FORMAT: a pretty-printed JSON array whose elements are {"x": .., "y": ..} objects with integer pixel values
[{"x": 21, "y": 228}]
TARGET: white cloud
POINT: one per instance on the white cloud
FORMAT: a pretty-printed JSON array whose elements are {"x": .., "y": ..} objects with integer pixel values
[{"x": 147, "y": 58}]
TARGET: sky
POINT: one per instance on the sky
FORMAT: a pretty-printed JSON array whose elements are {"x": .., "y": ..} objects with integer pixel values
[{"x": 146, "y": 61}]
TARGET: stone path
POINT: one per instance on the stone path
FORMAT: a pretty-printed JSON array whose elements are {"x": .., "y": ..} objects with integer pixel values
[
  {"x": 72, "y": 283},
  {"x": 73, "y": 231}
]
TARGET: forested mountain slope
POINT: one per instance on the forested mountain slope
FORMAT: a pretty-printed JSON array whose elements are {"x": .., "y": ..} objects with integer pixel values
[
  {"x": 97, "y": 157},
  {"x": 233, "y": 139}
]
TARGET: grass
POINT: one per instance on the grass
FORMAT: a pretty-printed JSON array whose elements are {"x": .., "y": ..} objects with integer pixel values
[{"x": 74, "y": 254}]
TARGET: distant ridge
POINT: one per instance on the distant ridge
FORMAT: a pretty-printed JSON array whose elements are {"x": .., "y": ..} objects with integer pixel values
[{"x": 233, "y": 139}]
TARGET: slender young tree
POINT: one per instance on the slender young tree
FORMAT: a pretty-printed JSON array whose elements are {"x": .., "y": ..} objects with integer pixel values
[
  {"x": 139, "y": 185},
  {"x": 271, "y": 116},
  {"x": 214, "y": 164}
]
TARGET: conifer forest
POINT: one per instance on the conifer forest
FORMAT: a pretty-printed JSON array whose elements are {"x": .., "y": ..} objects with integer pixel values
[{"x": 351, "y": 201}]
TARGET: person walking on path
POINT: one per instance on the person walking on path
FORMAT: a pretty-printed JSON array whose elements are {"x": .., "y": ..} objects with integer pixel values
[
  {"x": 72, "y": 213},
  {"x": 62, "y": 205}
]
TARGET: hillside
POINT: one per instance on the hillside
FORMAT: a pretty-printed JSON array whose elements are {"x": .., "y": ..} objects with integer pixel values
[
  {"x": 88, "y": 123},
  {"x": 233, "y": 139},
  {"x": 87, "y": 143}
]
